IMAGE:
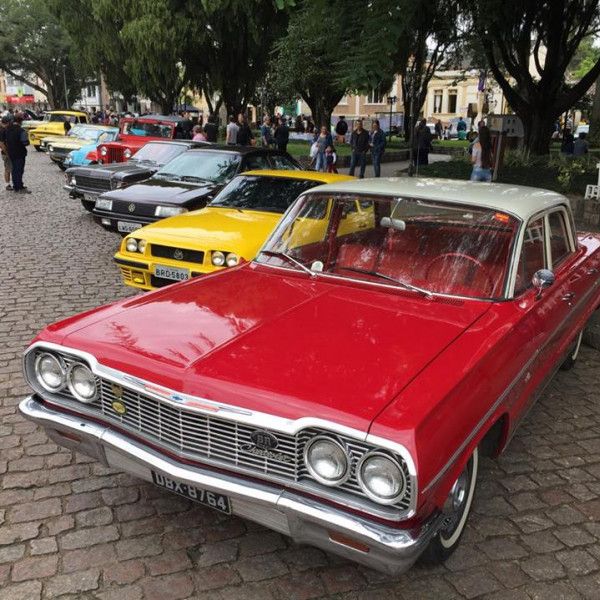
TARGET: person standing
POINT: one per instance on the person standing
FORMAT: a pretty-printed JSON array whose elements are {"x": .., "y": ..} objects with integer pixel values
[
  {"x": 245, "y": 136},
  {"x": 341, "y": 129},
  {"x": 461, "y": 129},
  {"x": 439, "y": 130},
  {"x": 211, "y": 130},
  {"x": 568, "y": 144},
  {"x": 14, "y": 140},
  {"x": 282, "y": 135},
  {"x": 481, "y": 157},
  {"x": 423, "y": 143},
  {"x": 197, "y": 134},
  {"x": 581, "y": 145},
  {"x": 232, "y": 131},
  {"x": 323, "y": 140},
  {"x": 359, "y": 143},
  {"x": 265, "y": 132},
  {"x": 377, "y": 146},
  {"x": 5, "y": 157}
]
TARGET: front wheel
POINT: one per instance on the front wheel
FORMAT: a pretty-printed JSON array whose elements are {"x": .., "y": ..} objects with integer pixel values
[
  {"x": 570, "y": 361},
  {"x": 460, "y": 499}
]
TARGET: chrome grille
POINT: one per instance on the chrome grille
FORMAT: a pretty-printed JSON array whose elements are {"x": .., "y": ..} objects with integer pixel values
[{"x": 212, "y": 438}]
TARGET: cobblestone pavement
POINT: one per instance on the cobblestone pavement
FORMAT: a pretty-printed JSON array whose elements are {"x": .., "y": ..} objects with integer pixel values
[{"x": 68, "y": 526}]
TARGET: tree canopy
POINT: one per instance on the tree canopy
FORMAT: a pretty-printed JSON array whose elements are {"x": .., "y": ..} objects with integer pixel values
[{"x": 33, "y": 45}]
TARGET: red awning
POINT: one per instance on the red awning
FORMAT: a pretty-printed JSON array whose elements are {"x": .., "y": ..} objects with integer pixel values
[{"x": 25, "y": 99}]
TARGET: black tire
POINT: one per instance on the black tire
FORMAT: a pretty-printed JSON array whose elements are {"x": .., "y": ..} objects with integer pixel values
[
  {"x": 447, "y": 539},
  {"x": 88, "y": 204},
  {"x": 570, "y": 361}
]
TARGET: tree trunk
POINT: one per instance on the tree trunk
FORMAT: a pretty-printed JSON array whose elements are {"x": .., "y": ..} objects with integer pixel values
[
  {"x": 594, "y": 135},
  {"x": 538, "y": 131}
]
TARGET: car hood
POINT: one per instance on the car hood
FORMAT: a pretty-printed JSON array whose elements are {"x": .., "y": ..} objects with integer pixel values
[
  {"x": 272, "y": 342},
  {"x": 159, "y": 191},
  {"x": 68, "y": 142},
  {"x": 226, "y": 229},
  {"x": 115, "y": 169}
]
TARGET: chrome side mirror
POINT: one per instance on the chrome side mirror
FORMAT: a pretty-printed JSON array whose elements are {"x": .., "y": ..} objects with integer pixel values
[{"x": 541, "y": 280}]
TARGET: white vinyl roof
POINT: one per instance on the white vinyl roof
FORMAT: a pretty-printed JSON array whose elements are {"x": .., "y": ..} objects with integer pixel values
[{"x": 520, "y": 200}]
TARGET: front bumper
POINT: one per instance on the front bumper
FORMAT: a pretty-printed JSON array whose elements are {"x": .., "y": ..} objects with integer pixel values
[
  {"x": 138, "y": 271},
  {"x": 110, "y": 220},
  {"x": 305, "y": 520}
]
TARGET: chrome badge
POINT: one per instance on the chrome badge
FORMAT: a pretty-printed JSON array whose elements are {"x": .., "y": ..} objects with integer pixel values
[
  {"x": 131, "y": 207},
  {"x": 264, "y": 440},
  {"x": 263, "y": 444},
  {"x": 119, "y": 407},
  {"x": 178, "y": 254},
  {"x": 117, "y": 390}
]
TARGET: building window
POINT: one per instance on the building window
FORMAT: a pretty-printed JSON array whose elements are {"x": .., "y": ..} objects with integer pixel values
[
  {"x": 437, "y": 100},
  {"x": 452, "y": 96},
  {"x": 376, "y": 96},
  {"x": 91, "y": 91}
]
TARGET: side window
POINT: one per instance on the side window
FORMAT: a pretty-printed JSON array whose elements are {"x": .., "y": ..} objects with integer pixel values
[
  {"x": 532, "y": 256},
  {"x": 559, "y": 238},
  {"x": 257, "y": 161}
]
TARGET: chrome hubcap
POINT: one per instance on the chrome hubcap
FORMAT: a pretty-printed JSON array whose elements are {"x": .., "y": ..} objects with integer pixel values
[{"x": 456, "y": 501}]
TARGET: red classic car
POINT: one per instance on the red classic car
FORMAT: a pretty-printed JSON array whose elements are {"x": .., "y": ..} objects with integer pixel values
[
  {"x": 134, "y": 132},
  {"x": 340, "y": 387}
]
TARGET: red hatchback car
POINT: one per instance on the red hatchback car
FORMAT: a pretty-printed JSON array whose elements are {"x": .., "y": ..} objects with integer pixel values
[
  {"x": 340, "y": 388},
  {"x": 134, "y": 132}
]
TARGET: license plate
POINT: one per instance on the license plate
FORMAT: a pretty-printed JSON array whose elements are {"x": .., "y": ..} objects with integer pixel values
[
  {"x": 125, "y": 227},
  {"x": 90, "y": 197},
  {"x": 173, "y": 273},
  {"x": 212, "y": 499}
]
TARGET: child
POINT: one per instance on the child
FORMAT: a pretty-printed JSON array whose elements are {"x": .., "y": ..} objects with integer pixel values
[{"x": 330, "y": 159}]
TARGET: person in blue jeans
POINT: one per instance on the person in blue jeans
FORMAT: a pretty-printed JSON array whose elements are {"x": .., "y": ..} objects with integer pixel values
[
  {"x": 377, "y": 146},
  {"x": 14, "y": 142},
  {"x": 482, "y": 156},
  {"x": 323, "y": 140},
  {"x": 359, "y": 142}
]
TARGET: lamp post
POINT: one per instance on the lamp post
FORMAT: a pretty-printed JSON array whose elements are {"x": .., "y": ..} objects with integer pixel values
[
  {"x": 65, "y": 84},
  {"x": 391, "y": 101}
]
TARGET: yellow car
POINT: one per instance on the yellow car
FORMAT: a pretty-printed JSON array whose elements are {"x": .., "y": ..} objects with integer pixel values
[
  {"x": 229, "y": 230},
  {"x": 54, "y": 124}
]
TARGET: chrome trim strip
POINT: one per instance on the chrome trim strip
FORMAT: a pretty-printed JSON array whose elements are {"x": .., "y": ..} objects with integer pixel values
[{"x": 234, "y": 413}]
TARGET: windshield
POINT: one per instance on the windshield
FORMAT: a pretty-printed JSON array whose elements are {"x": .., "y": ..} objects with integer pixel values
[
  {"x": 84, "y": 132},
  {"x": 147, "y": 129},
  {"x": 199, "y": 165},
  {"x": 423, "y": 246},
  {"x": 158, "y": 153},
  {"x": 270, "y": 194}
]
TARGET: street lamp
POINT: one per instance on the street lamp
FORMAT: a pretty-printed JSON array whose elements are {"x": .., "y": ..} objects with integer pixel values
[{"x": 391, "y": 101}]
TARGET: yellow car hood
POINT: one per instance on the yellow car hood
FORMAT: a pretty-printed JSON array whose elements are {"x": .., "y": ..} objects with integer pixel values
[
  {"x": 56, "y": 128},
  {"x": 213, "y": 228}
]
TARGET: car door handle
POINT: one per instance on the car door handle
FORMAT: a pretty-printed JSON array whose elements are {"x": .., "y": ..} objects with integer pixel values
[
  {"x": 592, "y": 271},
  {"x": 568, "y": 296}
]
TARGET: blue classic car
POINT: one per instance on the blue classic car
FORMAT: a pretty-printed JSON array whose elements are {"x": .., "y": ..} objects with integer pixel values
[{"x": 82, "y": 151}]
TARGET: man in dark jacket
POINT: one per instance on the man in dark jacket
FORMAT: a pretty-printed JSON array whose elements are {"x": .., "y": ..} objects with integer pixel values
[
  {"x": 211, "y": 129},
  {"x": 341, "y": 129},
  {"x": 282, "y": 135},
  {"x": 14, "y": 141},
  {"x": 377, "y": 146},
  {"x": 359, "y": 142},
  {"x": 245, "y": 135},
  {"x": 423, "y": 139}
]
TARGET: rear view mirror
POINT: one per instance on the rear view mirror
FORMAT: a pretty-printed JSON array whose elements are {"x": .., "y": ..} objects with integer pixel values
[
  {"x": 542, "y": 279},
  {"x": 389, "y": 223}
]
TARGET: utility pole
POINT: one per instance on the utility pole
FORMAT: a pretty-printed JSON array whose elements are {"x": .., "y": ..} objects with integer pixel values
[
  {"x": 392, "y": 100},
  {"x": 65, "y": 84}
]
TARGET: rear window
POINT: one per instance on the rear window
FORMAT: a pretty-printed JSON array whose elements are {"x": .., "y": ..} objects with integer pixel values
[{"x": 270, "y": 194}]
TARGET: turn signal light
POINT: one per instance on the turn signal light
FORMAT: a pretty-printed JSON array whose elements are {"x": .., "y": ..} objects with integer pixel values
[
  {"x": 138, "y": 277},
  {"x": 344, "y": 540}
]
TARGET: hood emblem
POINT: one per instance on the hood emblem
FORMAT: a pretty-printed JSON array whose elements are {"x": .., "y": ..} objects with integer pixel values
[
  {"x": 178, "y": 254},
  {"x": 264, "y": 440},
  {"x": 131, "y": 207},
  {"x": 117, "y": 390},
  {"x": 119, "y": 407},
  {"x": 264, "y": 444}
]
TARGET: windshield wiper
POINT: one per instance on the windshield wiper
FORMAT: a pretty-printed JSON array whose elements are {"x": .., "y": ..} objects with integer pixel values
[
  {"x": 192, "y": 178},
  {"x": 405, "y": 285},
  {"x": 167, "y": 176},
  {"x": 290, "y": 259}
]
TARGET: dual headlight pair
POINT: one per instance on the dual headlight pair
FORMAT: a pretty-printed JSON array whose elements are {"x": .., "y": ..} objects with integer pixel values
[
  {"x": 379, "y": 475},
  {"x": 54, "y": 376},
  {"x": 127, "y": 153},
  {"x": 222, "y": 259},
  {"x": 133, "y": 245}
]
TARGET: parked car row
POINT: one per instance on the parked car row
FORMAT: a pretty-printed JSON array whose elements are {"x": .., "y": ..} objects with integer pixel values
[{"x": 326, "y": 356}]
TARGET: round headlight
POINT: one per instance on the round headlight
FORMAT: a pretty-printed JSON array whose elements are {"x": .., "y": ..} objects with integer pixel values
[
  {"x": 73, "y": 180},
  {"x": 232, "y": 259},
  {"x": 141, "y": 246},
  {"x": 82, "y": 383},
  {"x": 218, "y": 259},
  {"x": 327, "y": 461},
  {"x": 131, "y": 245},
  {"x": 381, "y": 478},
  {"x": 103, "y": 151},
  {"x": 127, "y": 153},
  {"x": 50, "y": 148},
  {"x": 49, "y": 372}
]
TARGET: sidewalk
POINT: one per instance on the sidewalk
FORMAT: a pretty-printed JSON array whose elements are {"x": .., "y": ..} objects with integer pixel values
[{"x": 391, "y": 169}]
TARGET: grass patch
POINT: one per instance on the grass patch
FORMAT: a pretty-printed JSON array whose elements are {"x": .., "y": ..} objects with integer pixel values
[
  {"x": 451, "y": 143},
  {"x": 563, "y": 178}
]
